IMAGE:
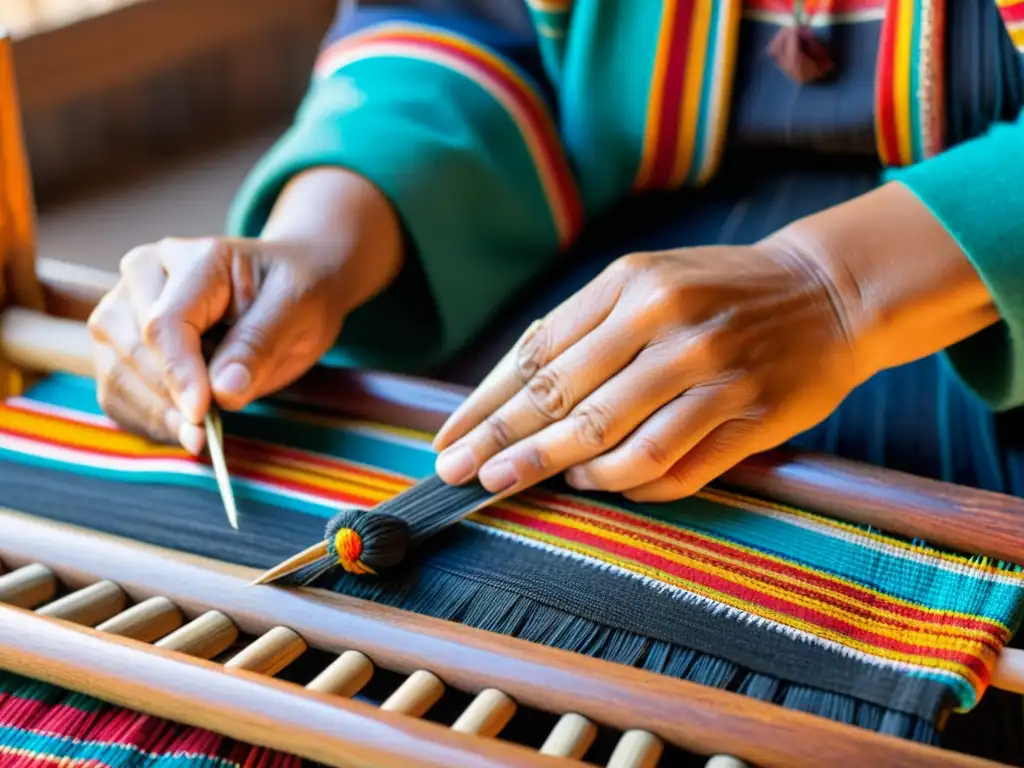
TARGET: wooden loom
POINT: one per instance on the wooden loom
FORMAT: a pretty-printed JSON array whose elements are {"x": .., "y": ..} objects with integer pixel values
[{"x": 137, "y": 626}]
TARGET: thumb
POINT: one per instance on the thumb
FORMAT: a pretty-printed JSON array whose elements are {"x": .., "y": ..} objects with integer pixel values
[{"x": 273, "y": 343}]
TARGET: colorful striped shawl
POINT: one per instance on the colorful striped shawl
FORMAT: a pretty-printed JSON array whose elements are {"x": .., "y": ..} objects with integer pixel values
[{"x": 729, "y": 590}]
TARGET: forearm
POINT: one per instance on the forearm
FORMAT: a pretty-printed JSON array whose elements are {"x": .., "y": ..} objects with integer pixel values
[
  {"x": 905, "y": 285},
  {"x": 334, "y": 210}
]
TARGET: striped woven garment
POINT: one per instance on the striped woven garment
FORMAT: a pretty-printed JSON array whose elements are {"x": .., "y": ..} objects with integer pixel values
[{"x": 722, "y": 589}]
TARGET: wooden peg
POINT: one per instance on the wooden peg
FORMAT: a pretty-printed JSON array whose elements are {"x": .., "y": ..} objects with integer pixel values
[
  {"x": 345, "y": 677},
  {"x": 636, "y": 749},
  {"x": 420, "y": 691},
  {"x": 271, "y": 653},
  {"x": 487, "y": 715},
  {"x": 146, "y": 622},
  {"x": 208, "y": 636},
  {"x": 28, "y": 587},
  {"x": 571, "y": 737},
  {"x": 88, "y": 607}
]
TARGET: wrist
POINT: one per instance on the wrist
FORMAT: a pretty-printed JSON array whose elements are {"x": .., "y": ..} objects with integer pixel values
[
  {"x": 347, "y": 227},
  {"x": 906, "y": 287}
]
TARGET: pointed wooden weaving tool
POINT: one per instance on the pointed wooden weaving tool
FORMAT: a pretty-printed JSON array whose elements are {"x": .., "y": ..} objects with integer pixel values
[
  {"x": 368, "y": 541},
  {"x": 215, "y": 445}
]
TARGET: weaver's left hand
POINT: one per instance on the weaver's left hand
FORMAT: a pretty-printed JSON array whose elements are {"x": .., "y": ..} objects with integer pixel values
[{"x": 660, "y": 375}]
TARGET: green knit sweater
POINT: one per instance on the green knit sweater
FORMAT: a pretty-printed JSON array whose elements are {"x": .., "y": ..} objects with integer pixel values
[{"x": 464, "y": 145}]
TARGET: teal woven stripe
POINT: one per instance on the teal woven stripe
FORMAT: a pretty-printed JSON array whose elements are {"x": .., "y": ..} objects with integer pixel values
[{"x": 923, "y": 580}]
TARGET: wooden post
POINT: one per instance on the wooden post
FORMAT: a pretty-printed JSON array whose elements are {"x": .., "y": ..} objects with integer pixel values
[{"x": 18, "y": 282}]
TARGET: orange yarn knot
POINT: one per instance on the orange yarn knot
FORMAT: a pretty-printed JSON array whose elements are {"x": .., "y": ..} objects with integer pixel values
[{"x": 349, "y": 546}]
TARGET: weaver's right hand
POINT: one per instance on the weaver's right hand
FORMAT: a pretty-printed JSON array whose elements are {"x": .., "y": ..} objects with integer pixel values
[{"x": 331, "y": 244}]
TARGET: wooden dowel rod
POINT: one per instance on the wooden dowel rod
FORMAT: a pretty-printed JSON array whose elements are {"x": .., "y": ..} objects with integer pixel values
[
  {"x": 416, "y": 695},
  {"x": 571, "y": 737},
  {"x": 146, "y": 622},
  {"x": 206, "y": 637},
  {"x": 345, "y": 677},
  {"x": 964, "y": 519},
  {"x": 636, "y": 749},
  {"x": 271, "y": 653},
  {"x": 487, "y": 715},
  {"x": 1009, "y": 671},
  {"x": 694, "y": 717},
  {"x": 250, "y": 708},
  {"x": 90, "y": 606},
  {"x": 28, "y": 586}
]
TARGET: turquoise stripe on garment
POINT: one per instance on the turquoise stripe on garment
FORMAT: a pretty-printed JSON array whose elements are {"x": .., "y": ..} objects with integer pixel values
[
  {"x": 917, "y": 581},
  {"x": 916, "y": 149}
]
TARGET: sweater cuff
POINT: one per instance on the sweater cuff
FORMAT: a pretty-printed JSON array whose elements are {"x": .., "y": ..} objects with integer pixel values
[
  {"x": 468, "y": 156},
  {"x": 976, "y": 190}
]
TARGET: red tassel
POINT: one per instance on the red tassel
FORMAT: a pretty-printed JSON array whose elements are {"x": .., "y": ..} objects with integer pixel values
[{"x": 799, "y": 53}]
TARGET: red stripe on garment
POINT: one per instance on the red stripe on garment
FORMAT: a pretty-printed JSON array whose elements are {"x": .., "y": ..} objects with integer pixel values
[{"x": 669, "y": 124}]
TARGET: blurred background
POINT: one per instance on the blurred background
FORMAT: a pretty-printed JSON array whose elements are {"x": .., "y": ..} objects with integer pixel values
[{"x": 143, "y": 116}]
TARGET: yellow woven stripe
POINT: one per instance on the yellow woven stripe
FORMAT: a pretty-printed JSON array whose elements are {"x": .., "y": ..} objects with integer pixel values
[
  {"x": 981, "y": 565},
  {"x": 879, "y": 602},
  {"x": 933, "y": 636},
  {"x": 696, "y": 64},
  {"x": 978, "y": 650}
]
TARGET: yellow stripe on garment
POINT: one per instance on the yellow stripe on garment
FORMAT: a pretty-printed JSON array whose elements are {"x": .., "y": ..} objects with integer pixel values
[
  {"x": 696, "y": 66},
  {"x": 901, "y": 78},
  {"x": 656, "y": 93}
]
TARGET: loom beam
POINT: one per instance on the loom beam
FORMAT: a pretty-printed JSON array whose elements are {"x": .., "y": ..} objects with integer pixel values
[{"x": 502, "y": 673}]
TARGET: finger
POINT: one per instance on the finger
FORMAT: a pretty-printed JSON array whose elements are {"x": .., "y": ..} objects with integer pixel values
[
  {"x": 654, "y": 448},
  {"x": 126, "y": 399},
  {"x": 144, "y": 278},
  {"x": 542, "y": 342},
  {"x": 272, "y": 344},
  {"x": 113, "y": 323},
  {"x": 725, "y": 447},
  {"x": 548, "y": 397},
  {"x": 196, "y": 295}
]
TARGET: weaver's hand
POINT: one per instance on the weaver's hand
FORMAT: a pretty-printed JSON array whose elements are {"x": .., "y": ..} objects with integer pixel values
[
  {"x": 664, "y": 372},
  {"x": 330, "y": 245},
  {"x": 670, "y": 368}
]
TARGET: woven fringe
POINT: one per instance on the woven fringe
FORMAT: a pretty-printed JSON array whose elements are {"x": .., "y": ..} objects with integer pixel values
[{"x": 453, "y": 597}]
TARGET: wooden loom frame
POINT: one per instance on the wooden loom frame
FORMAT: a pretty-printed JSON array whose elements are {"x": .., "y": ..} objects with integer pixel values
[{"x": 203, "y": 604}]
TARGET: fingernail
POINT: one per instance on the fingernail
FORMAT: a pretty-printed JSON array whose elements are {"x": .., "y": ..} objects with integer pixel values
[
  {"x": 456, "y": 465},
  {"x": 191, "y": 438},
  {"x": 579, "y": 479},
  {"x": 234, "y": 380},
  {"x": 498, "y": 476}
]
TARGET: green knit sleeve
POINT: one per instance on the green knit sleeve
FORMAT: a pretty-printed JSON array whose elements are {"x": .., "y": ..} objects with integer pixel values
[
  {"x": 464, "y": 147},
  {"x": 977, "y": 191}
]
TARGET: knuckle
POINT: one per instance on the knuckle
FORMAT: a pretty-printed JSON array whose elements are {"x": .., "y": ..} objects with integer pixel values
[
  {"x": 131, "y": 260},
  {"x": 250, "y": 341},
  {"x": 158, "y": 328},
  {"x": 652, "y": 453},
  {"x": 592, "y": 425},
  {"x": 633, "y": 263},
  {"x": 498, "y": 431},
  {"x": 538, "y": 460},
  {"x": 549, "y": 393},
  {"x": 532, "y": 353}
]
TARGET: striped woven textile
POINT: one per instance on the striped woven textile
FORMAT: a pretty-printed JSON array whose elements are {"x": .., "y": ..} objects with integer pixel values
[
  {"x": 723, "y": 589},
  {"x": 45, "y": 727}
]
